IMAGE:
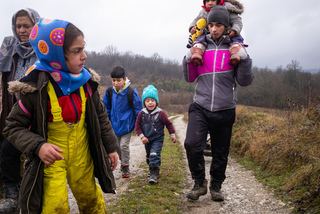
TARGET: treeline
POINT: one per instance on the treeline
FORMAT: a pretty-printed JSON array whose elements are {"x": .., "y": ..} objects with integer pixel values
[
  {"x": 288, "y": 87},
  {"x": 284, "y": 87}
]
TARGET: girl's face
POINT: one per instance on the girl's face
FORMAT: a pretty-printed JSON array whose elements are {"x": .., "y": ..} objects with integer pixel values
[
  {"x": 24, "y": 27},
  {"x": 118, "y": 83},
  {"x": 150, "y": 103},
  {"x": 75, "y": 56},
  {"x": 210, "y": 3}
]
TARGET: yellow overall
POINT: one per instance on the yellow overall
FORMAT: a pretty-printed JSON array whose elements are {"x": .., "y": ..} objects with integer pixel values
[{"x": 76, "y": 168}]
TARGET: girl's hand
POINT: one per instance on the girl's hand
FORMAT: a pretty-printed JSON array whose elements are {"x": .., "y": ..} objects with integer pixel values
[
  {"x": 193, "y": 30},
  {"x": 231, "y": 33},
  {"x": 113, "y": 160},
  {"x": 144, "y": 140},
  {"x": 48, "y": 153},
  {"x": 173, "y": 139}
]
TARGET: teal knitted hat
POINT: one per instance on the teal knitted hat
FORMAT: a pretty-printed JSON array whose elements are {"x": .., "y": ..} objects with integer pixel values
[{"x": 150, "y": 91}]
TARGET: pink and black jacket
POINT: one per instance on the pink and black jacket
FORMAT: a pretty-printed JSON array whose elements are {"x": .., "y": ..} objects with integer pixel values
[{"x": 216, "y": 79}]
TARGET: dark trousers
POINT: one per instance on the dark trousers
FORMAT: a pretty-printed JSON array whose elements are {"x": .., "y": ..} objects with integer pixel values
[
  {"x": 10, "y": 163},
  {"x": 219, "y": 124},
  {"x": 153, "y": 150}
]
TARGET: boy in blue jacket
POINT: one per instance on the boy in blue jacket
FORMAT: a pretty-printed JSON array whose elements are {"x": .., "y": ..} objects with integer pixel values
[{"x": 123, "y": 108}]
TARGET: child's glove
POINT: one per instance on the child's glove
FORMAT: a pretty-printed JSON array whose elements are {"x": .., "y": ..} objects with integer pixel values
[{"x": 237, "y": 53}]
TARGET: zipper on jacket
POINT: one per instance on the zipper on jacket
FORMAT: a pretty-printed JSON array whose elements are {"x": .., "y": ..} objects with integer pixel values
[
  {"x": 213, "y": 76},
  {"x": 223, "y": 57},
  {"x": 37, "y": 174},
  {"x": 233, "y": 93}
]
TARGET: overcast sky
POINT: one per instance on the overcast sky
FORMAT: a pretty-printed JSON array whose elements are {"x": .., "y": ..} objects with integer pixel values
[{"x": 277, "y": 32}]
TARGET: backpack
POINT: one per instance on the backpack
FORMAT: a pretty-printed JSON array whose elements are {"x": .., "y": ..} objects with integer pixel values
[{"x": 129, "y": 96}]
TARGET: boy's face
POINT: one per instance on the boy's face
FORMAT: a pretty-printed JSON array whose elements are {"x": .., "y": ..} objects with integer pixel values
[
  {"x": 216, "y": 29},
  {"x": 118, "y": 83},
  {"x": 211, "y": 3},
  {"x": 150, "y": 103},
  {"x": 75, "y": 56}
]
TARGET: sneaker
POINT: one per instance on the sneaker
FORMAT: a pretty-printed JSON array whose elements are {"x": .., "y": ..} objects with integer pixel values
[
  {"x": 125, "y": 171},
  {"x": 215, "y": 191},
  {"x": 199, "y": 188}
]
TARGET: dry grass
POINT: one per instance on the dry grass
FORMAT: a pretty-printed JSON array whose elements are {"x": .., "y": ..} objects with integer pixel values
[{"x": 283, "y": 148}]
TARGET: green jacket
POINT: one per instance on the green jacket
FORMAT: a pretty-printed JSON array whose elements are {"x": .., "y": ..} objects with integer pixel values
[{"x": 27, "y": 127}]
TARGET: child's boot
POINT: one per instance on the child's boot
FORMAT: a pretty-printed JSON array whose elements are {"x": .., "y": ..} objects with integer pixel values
[
  {"x": 125, "y": 171},
  {"x": 237, "y": 53},
  {"x": 157, "y": 172},
  {"x": 153, "y": 178},
  {"x": 197, "y": 51}
]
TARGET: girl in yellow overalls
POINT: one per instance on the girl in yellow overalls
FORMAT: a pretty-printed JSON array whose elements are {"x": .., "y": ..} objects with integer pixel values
[{"x": 71, "y": 151}]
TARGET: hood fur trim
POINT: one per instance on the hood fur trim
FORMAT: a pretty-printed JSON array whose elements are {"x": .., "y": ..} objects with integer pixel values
[
  {"x": 94, "y": 75},
  {"x": 20, "y": 87},
  {"x": 234, "y": 6}
]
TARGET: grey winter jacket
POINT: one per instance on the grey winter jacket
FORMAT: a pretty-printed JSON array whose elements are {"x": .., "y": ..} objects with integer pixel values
[
  {"x": 234, "y": 8},
  {"x": 34, "y": 98},
  {"x": 216, "y": 79}
]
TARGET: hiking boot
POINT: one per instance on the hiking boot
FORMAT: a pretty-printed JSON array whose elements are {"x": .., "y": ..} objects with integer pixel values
[
  {"x": 215, "y": 190},
  {"x": 153, "y": 176},
  {"x": 199, "y": 188},
  {"x": 125, "y": 171},
  {"x": 197, "y": 51},
  {"x": 10, "y": 205}
]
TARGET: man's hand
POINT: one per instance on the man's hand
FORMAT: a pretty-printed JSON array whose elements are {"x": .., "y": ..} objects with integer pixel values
[
  {"x": 48, "y": 153},
  {"x": 113, "y": 160}
]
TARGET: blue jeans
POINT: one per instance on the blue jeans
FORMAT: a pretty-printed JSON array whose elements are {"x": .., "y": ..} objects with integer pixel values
[{"x": 153, "y": 150}]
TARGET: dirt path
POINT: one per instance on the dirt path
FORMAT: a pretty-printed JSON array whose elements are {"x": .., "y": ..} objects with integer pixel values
[{"x": 243, "y": 193}]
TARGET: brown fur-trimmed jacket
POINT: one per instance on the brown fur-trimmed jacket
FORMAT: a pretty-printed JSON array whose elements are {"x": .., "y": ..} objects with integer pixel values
[
  {"x": 28, "y": 132},
  {"x": 235, "y": 9}
]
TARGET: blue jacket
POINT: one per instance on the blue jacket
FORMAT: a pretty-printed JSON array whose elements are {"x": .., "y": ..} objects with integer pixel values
[{"x": 121, "y": 115}]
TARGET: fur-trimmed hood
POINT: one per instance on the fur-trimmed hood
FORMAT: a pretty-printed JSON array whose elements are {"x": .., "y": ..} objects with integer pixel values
[
  {"x": 30, "y": 84},
  {"x": 234, "y": 6}
]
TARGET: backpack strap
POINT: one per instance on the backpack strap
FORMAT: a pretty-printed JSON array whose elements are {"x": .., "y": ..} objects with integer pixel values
[
  {"x": 129, "y": 96},
  {"x": 110, "y": 92}
]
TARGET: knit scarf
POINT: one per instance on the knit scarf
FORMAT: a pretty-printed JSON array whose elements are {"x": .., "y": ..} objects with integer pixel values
[{"x": 47, "y": 38}]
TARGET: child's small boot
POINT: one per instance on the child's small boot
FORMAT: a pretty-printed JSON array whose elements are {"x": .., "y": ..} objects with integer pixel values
[
  {"x": 125, "y": 171},
  {"x": 153, "y": 178},
  {"x": 233, "y": 50},
  {"x": 157, "y": 172},
  {"x": 197, "y": 51}
]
